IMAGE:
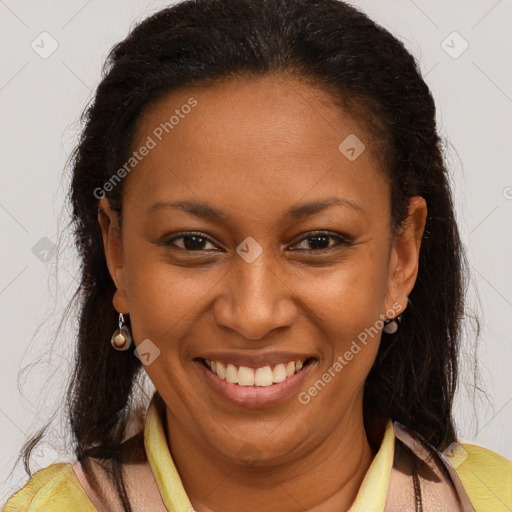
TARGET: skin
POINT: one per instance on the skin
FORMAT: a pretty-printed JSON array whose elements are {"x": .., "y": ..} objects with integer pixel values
[{"x": 254, "y": 148}]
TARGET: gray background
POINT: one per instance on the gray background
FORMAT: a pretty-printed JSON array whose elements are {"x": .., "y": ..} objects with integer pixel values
[{"x": 40, "y": 103}]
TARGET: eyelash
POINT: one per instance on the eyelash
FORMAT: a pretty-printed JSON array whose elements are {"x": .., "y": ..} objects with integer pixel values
[{"x": 342, "y": 241}]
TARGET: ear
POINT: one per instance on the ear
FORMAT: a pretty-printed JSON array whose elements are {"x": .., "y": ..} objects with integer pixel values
[
  {"x": 404, "y": 260},
  {"x": 113, "y": 248}
]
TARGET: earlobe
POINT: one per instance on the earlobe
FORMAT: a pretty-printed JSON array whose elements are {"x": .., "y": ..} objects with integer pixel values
[{"x": 113, "y": 252}]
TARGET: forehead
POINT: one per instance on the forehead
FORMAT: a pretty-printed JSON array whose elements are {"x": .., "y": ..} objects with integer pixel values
[
  {"x": 277, "y": 112},
  {"x": 272, "y": 138}
]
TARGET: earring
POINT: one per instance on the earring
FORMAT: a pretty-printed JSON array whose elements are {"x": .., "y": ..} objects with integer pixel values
[
  {"x": 391, "y": 326},
  {"x": 122, "y": 338}
]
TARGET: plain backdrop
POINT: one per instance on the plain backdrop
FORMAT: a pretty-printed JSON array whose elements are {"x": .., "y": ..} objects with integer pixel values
[{"x": 50, "y": 61}]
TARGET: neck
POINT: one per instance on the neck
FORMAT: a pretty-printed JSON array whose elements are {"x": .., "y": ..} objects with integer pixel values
[{"x": 326, "y": 478}]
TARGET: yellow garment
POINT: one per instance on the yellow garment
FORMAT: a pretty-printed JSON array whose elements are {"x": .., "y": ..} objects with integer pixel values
[
  {"x": 485, "y": 475},
  {"x": 487, "y": 478}
]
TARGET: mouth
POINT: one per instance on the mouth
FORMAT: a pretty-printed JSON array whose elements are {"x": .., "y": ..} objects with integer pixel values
[
  {"x": 263, "y": 376},
  {"x": 255, "y": 387}
]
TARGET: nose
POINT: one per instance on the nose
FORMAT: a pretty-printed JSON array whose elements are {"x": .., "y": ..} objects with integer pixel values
[{"x": 255, "y": 299}]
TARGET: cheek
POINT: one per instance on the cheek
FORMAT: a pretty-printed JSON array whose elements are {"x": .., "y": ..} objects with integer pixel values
[
  {"x": 162, "y": 297},
  {"x": 348, "y": 305},
  {"x": 349, "y": 298},
  {"x": 158, "y": 301},
  {"x": 162, "y": 305}
]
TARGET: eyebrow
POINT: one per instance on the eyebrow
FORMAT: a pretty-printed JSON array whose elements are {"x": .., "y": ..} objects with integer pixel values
[{"x": 208, "y": 212}]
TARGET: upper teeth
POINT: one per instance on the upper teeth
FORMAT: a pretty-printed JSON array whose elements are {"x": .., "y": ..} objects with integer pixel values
[{"x": 245, "y": 376}]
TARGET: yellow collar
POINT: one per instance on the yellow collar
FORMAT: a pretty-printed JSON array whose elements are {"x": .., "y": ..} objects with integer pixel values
[
  {"x": 166, "y": 475},
  {"x": 371, "y": 495}
]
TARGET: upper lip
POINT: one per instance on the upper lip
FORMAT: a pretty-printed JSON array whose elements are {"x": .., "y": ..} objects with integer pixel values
[{"x": 256, "y": 360}]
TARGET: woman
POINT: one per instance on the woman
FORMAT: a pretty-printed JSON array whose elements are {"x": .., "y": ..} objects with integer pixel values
[{"x": 265, "y": 222}]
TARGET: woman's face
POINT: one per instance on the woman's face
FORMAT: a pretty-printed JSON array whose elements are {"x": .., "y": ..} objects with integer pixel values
[{"x": 257, "y": 168}]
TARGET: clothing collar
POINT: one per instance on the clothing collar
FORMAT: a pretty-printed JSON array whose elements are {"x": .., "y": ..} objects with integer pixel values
[
  {"x": 371, "y": 495},
  {"x": 166, "y": 475}
]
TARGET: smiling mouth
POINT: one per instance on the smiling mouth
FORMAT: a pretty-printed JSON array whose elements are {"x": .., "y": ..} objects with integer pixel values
[{"x": 264, "y": 376}]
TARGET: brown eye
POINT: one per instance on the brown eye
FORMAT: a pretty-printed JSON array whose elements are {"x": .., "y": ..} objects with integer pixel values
[
  {"x": 191, "y": 242},
  {"x": 320, "y": 241}
]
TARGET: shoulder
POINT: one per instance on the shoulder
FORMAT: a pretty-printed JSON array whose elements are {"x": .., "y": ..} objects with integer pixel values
[
  {"x": 486, "y": 475},
  {"x": 54, "y": 488}
]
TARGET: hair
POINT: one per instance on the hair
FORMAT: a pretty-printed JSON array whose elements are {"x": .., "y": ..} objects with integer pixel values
[{"x": 369, "y": 73}]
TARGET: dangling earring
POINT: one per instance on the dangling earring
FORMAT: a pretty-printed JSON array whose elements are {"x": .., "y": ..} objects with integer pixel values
[
  {"x": 391, "y": 326},
  {"x": 122, "y": 338}
]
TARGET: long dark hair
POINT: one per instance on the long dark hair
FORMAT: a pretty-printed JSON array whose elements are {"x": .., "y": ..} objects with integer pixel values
[{"x": 369, "y": 73}]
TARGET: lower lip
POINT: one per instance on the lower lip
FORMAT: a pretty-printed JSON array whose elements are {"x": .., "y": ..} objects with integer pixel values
[{"x": 254, "y": 397}]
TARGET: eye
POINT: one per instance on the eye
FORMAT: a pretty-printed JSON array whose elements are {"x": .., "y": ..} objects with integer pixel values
[
  {"x": 319, "y": 241},
  {"x": 316, "y": 241},
  {"x": 191, "y": 241}
]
